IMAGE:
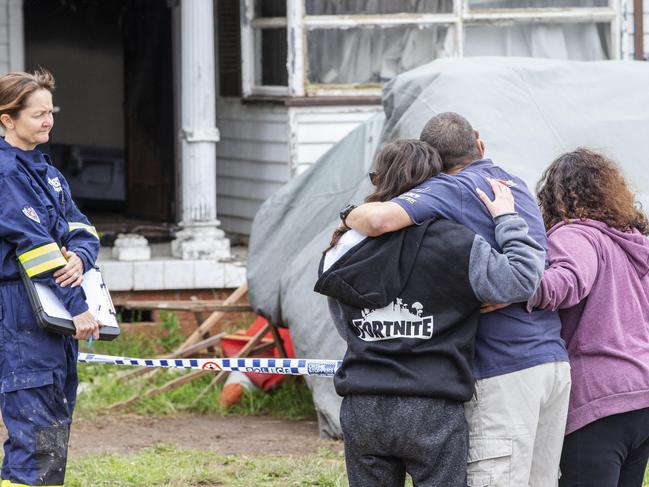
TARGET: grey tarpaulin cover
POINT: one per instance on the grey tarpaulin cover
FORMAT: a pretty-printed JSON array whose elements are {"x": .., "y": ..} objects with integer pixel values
[{"x": 528, "y": 112}]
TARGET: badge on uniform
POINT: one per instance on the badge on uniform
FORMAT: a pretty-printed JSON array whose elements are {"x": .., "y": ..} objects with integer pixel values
[
  {"x": 55, "y": 183},
  {"x": 30, "y": 213}
]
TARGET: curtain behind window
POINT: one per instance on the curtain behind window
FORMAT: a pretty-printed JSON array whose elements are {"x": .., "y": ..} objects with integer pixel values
[{"x": 377, "y": 54}]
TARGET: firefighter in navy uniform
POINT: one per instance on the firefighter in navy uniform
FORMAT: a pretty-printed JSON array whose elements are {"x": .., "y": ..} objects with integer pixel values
[{"x": 42, "y": 230}]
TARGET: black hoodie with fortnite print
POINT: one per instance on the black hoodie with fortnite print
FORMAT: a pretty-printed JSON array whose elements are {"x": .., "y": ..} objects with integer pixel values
[{"x": 407, "y": 304}]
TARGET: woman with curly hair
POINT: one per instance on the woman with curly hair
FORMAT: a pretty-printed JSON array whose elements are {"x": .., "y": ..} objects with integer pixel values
[{"x": 598, "y": 279}]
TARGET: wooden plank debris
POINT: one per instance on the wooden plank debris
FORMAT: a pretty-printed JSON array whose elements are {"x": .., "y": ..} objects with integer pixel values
[{"x": 193, "y": 344}]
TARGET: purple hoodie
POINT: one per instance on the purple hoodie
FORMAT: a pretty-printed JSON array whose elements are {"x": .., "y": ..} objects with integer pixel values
[{"x": 598, "y": 279}]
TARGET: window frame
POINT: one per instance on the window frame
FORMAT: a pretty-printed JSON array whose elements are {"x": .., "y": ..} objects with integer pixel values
[{"x": 298, "y": 24}]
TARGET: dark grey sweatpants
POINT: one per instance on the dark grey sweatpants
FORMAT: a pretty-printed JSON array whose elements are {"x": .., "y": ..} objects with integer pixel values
[{"x": 387, "y": 436}]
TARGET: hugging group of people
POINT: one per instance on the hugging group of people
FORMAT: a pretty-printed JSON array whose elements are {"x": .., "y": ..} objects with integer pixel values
[{"x": 493, "y": 339}]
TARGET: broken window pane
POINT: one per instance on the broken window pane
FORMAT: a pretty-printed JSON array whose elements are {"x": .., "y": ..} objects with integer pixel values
[
  {"x": 370, "y": 7},
  {"x": 373, "y": 55},
  {"x": 581, "y": 42},
  {"x": 272, "y": 54},
  {"x": 488, "y": 4}
]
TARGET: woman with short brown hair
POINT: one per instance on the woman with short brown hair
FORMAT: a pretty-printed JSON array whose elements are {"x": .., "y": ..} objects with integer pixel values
[
  {"x": 599, "y": 281},
  {"x": 44, "y": 236}
]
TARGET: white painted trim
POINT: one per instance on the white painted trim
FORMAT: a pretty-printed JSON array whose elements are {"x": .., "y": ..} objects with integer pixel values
[
  {"x": 461, "y": 11},
  {"x": 16, "y": 35},
  {"x": 296, "y": 47},
  {"x": 198, "y": 119},
  {"x": 616, "y": 30},
  {"x": 459, "y": 7},
  {"x": 341, "y": 90},
  {"x": 268, "y": 90},
  {"x": 394, "y": 20},
  {"x": 200, "y": 135},
  {"x": 549, "y": 15},
  {"x": 269, "y": 22},
  {"x": 248, "y": 57},
  {"x": 293, "y": 145},
  {"x": 625, "y": 15}
]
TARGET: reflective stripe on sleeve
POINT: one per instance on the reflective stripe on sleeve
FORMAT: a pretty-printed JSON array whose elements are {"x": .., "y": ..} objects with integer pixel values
[
  {"x": 82, "y": 226},
  {"x": 42, "y": 259}
]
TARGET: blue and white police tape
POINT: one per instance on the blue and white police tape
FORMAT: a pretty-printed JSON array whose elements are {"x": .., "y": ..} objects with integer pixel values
[{"x": 289, "y": 366}]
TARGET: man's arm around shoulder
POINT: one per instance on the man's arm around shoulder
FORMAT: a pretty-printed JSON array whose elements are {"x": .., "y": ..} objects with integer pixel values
[{"x": 377, "y": 218}]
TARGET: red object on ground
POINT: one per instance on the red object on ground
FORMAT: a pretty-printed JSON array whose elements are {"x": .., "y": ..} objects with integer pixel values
[
  {"x": 231, "y": 394},
  {"x": 231, "y": 348}
]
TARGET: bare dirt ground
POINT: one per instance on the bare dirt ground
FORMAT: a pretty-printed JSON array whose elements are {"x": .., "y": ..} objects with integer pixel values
[{"x": 227, "y": 435}]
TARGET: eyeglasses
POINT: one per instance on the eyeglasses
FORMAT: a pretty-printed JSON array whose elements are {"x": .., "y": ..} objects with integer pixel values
[{"x": 374, "y": 177}]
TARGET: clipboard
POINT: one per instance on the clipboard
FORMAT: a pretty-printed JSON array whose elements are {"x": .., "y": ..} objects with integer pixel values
[{"x": 52, "y": 316}]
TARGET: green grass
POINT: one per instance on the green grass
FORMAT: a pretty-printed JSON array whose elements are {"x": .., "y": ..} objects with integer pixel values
[
  {"x": 290, "y": 400},
  {"x": 125, "y": 344},
  {"x": 101, "y": 388},
  {"x": 168, "y": 466},
  {"x": 171, "y": 337}
]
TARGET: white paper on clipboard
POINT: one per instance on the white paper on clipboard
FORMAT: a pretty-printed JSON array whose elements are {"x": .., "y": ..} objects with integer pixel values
[{"x": 97, "y": 297}]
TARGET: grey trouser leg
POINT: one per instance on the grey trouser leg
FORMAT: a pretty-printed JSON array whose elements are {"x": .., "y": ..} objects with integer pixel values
[
  {"x": 387, "y": 436},
  {"x": 517, "y": 422}
]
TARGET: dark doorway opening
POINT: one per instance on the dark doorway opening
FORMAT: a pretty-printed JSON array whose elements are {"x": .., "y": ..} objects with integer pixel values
[{"x": 114, "y": 135}]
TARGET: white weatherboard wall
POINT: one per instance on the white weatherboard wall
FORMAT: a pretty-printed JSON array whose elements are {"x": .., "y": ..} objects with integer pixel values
[
  {"x": 315, "y": 129},
  {"x": 252, "y": 159},
  {"x": 12, "y": 46},
  {"x": 264, "y": 145}
]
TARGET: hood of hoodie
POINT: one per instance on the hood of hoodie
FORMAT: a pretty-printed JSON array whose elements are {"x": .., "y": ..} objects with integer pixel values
[
  {"x": 633, "y": 243},
  {"x": 374, "y": 272}
]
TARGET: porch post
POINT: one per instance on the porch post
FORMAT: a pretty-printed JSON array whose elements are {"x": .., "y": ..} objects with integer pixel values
[{"x": 200, "y": 237}]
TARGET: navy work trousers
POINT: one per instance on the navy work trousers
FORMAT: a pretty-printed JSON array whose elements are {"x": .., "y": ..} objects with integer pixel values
[
  {"x": 609, "y": 452},
  {"x": 38, "y": 384}
]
